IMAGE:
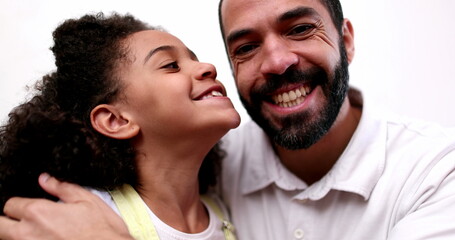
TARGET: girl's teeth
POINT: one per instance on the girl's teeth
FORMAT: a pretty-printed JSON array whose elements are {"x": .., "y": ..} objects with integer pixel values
[
  {"x": 217, "y": 94},
  {"x": 212, "y": 94}
]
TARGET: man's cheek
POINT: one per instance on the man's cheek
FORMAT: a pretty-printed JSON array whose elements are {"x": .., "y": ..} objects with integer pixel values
[{"x": 243, "y": 89}]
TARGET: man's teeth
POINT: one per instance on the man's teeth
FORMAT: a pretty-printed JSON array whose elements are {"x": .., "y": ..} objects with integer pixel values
[
  {"x": 291, "y": 98},
  {"x": 212, "y": 94}
]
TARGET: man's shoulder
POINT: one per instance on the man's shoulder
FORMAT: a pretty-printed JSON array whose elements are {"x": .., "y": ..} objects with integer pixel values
[
  {"x": 399, "y": 126},
  {"x": 424, "y": 141}
]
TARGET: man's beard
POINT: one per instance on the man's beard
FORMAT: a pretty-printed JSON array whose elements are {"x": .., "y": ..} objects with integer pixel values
[{"x": 298, "y": 131}]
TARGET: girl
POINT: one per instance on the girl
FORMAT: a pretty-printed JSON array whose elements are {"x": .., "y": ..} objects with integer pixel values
[{"x": 132, "y": 114}]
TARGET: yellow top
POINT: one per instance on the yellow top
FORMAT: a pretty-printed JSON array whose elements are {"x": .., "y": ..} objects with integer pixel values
[{"x": 140, "y": 226}]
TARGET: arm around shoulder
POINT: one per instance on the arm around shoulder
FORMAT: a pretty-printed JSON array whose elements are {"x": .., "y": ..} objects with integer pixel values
[{"x": 80, "y": 216}]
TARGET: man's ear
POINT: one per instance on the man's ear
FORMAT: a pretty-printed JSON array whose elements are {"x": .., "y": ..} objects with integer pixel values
[
  {"x": 348, "y": 38},
  {"x": 107, "y": 120}
]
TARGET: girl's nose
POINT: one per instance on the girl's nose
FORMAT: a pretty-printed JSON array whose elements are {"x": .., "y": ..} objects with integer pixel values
[{"x": 205, "y": 70}]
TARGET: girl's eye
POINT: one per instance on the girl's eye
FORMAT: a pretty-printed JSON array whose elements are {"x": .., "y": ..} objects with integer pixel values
[
  {"x": 300, "y": 29},
  {"x": 172, "y": 65}
]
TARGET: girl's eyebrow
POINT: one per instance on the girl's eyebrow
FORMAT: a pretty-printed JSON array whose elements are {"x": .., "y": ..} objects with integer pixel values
[
  {"x": 158, "y": 49},
  {"x": 192, "y": 54},
  {"x": 166, "y": 48}
]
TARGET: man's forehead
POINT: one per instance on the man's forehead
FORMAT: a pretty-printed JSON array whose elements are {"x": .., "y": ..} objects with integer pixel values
[
  {"x": 240, "y": 12},
  {"x": 235, "y": 4}
]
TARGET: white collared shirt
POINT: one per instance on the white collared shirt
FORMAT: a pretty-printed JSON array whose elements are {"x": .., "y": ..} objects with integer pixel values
[{"x": 395, "y": 180}]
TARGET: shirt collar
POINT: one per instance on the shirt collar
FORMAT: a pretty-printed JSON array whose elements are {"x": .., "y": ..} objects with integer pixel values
[{"x": 356, "y": 171}]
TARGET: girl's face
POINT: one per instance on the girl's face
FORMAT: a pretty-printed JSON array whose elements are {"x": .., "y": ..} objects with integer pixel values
[{"x": 169, "y": 93}]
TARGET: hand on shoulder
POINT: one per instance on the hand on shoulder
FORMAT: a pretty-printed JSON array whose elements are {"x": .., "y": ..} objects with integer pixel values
[{"x": 80, "y": 215}]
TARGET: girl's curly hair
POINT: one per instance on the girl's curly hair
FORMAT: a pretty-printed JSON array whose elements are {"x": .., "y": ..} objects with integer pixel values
[{"x": 52, "y": 132}]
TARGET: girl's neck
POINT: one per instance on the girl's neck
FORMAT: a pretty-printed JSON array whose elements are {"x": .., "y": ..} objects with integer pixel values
[
  {"x": 168, "y": 184},
  {"x": 180, "y": 209}
]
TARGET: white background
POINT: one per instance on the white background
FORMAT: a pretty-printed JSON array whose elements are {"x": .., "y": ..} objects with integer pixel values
[{"x": 405, "y": 49}]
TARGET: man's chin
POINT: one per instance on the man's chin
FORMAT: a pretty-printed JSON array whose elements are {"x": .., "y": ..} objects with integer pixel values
[{"x": 272, "y": 121}]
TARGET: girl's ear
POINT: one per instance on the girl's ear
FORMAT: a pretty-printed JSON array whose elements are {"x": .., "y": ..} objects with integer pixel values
[{"x": 107, "y": 120}]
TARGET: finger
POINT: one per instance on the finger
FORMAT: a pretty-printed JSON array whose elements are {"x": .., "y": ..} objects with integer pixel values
[
  {"x": 66, "y": 192},
  {"x": 20, "y": 208},
  {"x": 6, "y": 224}
]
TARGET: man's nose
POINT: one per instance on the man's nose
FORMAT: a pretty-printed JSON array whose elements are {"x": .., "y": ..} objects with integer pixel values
[{"x": 277, "y": 56}]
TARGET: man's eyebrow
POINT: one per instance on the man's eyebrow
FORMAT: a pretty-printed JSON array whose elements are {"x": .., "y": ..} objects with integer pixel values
[
  {"x": 291, "y": 14},
  {"x": 237, "y": 34},
  {"x": 158, "y": 49},
  {"x": 296, "y": 13}
]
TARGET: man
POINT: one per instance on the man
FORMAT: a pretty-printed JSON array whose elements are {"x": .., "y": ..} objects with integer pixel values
[{"x": 317, "y": 163}]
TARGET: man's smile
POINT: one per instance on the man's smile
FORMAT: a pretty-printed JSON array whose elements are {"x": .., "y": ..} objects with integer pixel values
[{"x": 292, "y": 97}]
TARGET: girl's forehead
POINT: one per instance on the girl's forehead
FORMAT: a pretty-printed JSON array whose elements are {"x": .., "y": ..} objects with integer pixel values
[{"x": 153, "y": 38}]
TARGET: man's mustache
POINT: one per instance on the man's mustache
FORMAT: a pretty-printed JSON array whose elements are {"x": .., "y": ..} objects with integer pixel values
[{"x": 313, "y": 76}]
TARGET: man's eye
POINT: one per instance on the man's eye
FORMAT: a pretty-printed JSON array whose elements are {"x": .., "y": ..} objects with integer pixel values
[
  {"x": 172, "y": 65},
  {"x": 300, "y": 29},
  {"x": 244, "y": 49}
]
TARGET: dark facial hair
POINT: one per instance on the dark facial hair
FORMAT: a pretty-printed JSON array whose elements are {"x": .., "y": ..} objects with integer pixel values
[{"x": 298, "y": 131}]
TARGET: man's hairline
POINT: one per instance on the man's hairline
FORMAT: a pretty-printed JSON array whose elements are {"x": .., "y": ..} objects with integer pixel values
[{"x": 220, "y": 20}]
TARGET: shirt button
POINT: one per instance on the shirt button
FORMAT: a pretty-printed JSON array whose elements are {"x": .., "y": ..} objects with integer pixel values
[{"x": 298, "y": 233}]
